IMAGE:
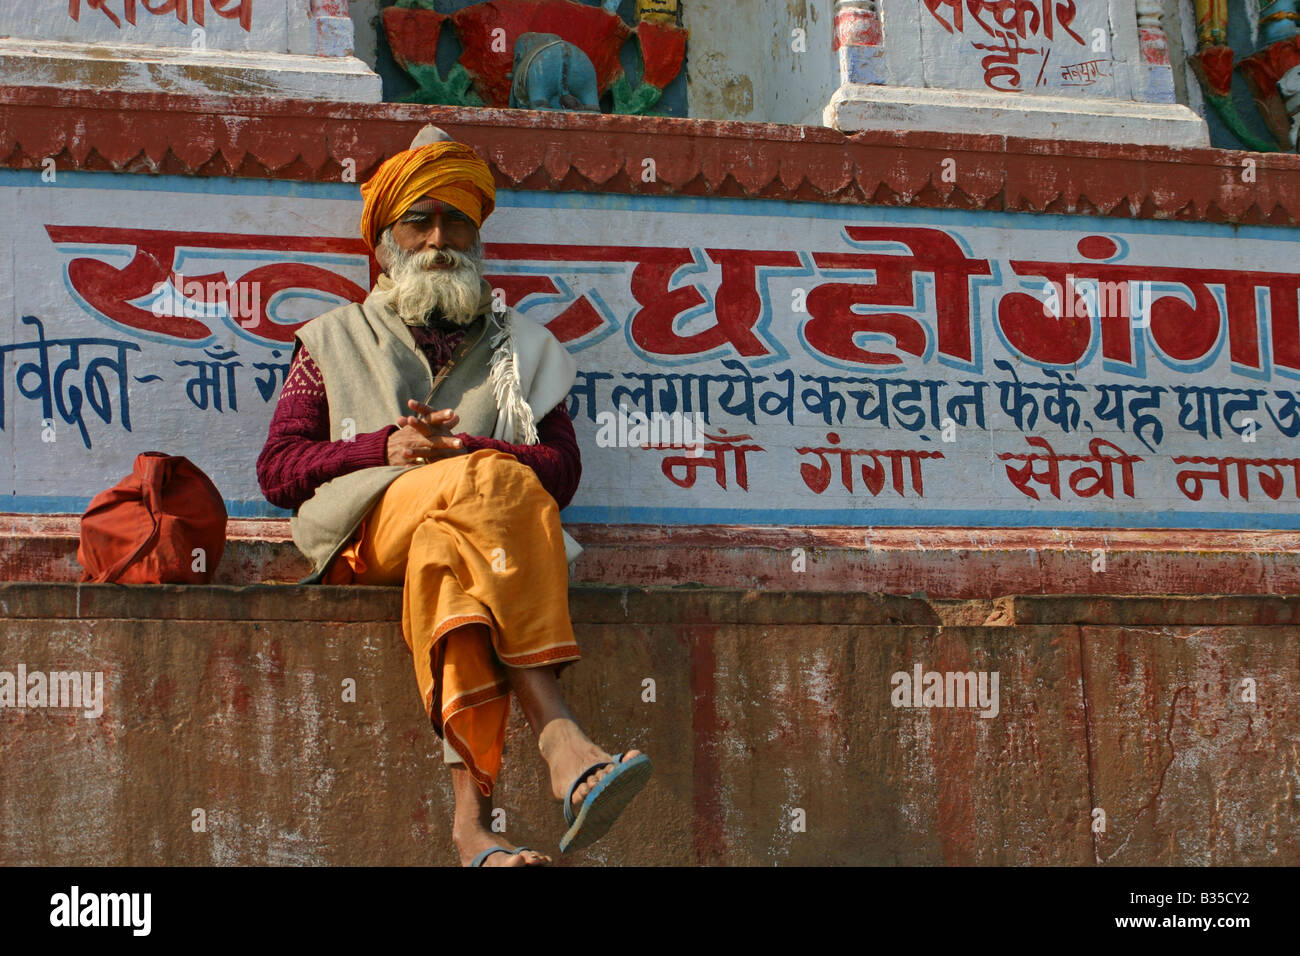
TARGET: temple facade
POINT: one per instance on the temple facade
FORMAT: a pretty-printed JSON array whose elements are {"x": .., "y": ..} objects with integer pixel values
[{"x": 907, "y": 310}]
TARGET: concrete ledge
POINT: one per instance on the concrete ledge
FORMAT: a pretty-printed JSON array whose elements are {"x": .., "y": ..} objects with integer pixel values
[
  {"x": 307, "y": 604},
  {"x": 856, "y": 107},
  {"x": 135, "y": 68},
  {"x": 230, "y": 701},
  {"x": 1220, "y": 610},
  {"x": 955, "y": 564},
  {"x": 681, "y": 606}
]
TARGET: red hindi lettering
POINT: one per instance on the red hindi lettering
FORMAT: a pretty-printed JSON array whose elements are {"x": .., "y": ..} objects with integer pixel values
[
  {"x": 834, "y": 325},
  {"x": 737, "y": 303},
  {"x": 110, "y": 289}
]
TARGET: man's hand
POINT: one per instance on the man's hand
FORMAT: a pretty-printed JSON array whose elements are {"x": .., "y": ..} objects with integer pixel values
[{"x": 426, "y": 436}]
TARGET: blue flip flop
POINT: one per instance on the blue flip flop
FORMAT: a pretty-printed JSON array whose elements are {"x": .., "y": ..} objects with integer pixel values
[
  {"x": 606, "y": 801},
  {"x": 478, "y": 860}
]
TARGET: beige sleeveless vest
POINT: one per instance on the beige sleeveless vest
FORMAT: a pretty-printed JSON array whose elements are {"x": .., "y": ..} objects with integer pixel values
[{"x": 371, "y": 365}]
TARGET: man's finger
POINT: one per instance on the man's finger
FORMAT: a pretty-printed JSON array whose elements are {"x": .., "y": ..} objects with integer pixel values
[{"x": 427, "y": 410}]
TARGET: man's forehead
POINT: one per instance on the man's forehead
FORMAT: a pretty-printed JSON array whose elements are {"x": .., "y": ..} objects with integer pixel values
[{"x": 427, "y": 204}]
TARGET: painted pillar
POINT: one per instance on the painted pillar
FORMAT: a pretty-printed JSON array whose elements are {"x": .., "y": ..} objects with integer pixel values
[
  {"x": 1278, "y": 20},
  {"x": 1211, "y": 22},
  {"x": 658, "y": 11},
  {"x": 334, "y": 29},
  {"x": 1154, "y": 78},
  {"x": 857, "y": 42}
]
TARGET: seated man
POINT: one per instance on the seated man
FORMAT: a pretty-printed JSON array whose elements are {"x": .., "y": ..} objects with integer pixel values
[{"x": 362, "y": 448}]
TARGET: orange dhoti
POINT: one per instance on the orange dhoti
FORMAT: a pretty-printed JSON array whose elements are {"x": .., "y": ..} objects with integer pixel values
[{"x": 475, "y": 542}]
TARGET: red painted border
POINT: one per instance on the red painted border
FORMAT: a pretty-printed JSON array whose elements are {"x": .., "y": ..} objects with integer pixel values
[{"x": 305, "y": 141}]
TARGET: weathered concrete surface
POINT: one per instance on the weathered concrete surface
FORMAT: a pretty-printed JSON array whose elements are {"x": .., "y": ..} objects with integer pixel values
[
  {"x": 799, "y": 718},
  {"x": 230, "y": 700},
  {"x": 1186, "y": 770}
]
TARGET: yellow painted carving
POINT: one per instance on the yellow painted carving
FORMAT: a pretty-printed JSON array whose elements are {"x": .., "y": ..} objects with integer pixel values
[
  {"x": 658, "y": 11},
  {"x": 1212, "y": 22}
]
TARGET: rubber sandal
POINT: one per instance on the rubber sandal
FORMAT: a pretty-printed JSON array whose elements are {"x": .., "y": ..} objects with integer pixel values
[
  {"x": 478, "y": 860},
  {"x": 607, "y": 799}
]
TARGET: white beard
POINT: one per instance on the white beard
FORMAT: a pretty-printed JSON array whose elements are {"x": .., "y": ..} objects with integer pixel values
[{"x": 419, "y": 288}]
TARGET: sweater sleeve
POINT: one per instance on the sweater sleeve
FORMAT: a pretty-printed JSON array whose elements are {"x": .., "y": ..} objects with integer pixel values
[
  {"x": 298, "y": 456},
  {"x": 555, "y": 458}
]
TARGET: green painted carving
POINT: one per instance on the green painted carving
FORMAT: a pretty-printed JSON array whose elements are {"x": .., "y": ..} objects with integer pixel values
[
  {"x": 456, "y": 90},
  {"x": 1227, "y": 112},
  {"x": 634, "y": 102}
]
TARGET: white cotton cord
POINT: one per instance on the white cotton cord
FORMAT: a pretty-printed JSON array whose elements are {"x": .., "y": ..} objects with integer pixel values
[{"x": 506, "y": 388}]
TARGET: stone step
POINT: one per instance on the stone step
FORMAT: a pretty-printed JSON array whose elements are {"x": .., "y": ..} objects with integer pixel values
[{"x": 945, "y": 563}]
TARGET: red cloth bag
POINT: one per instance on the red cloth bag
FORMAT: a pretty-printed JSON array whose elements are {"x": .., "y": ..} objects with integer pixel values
[{"x": 146, "y": 529}]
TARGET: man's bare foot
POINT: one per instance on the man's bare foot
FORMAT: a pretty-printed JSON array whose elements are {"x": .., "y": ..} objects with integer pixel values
[
  {"x": 473, "y": 842},
  {"x": 568, "y": 752}
]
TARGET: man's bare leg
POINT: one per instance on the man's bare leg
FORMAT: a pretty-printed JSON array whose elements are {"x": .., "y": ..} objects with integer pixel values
[
  {"x": 471, "y": 829},
  {"x": 565, "y": 748}
]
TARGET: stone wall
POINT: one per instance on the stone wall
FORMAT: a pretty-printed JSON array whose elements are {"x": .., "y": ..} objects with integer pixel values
[{"x": 1120, "y": 736}]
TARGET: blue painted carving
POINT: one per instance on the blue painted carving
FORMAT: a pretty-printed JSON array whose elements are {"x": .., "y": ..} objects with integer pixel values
[{"x": 550, "y": 74}]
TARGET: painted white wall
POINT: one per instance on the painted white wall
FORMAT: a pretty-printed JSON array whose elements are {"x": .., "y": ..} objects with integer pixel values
[
  {"x": 742, "y": 61},
  {"x": 921, "y": 51},
  {"x": 275, "y": 27},
  {"x": 638, "y": 347}
]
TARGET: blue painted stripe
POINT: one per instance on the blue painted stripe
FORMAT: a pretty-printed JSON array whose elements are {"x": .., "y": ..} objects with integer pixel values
[
  {"x": 72, "y": 505},
  {"x": 841, "y": 517},
  {"x": 931, "y": 518}
]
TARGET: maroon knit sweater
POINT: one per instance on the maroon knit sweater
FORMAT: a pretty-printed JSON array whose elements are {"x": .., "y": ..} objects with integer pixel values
[{"x": 299, "y": 457}]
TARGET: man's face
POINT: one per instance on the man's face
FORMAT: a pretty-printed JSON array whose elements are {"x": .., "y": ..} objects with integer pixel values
[
  {"x": 430, "y": 225},
  {"x": 435, "y": 259}
]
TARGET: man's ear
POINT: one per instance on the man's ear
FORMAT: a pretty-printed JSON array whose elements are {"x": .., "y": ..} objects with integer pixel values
[{"x": 381, "y": 254}]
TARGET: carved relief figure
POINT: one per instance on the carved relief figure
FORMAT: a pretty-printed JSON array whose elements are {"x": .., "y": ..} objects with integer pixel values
[{"x": 490, "y": 35}]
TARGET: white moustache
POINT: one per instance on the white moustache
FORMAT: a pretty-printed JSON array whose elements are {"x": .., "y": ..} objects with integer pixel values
[{"x": 443, "y": 280}]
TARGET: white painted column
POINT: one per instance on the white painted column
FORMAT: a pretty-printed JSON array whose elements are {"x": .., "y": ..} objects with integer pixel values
[
  {"x": 293, "y": 48},
  {"x": 1100, "y": 74},
  {"x": 857, "y": 42}
]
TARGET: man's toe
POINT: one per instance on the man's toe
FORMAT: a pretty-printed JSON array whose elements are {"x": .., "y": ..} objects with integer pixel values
[{"x": 585, "y": 788}]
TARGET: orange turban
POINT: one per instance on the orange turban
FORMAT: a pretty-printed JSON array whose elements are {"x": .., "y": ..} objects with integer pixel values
[{"x": 449, "y": 171}]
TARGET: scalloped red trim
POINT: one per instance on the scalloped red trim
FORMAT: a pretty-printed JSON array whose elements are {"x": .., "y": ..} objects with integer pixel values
[{"x": 306, "y": 141}]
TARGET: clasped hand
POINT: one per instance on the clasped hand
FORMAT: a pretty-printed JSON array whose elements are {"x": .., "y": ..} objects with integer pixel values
[{"x": 425, "y": 436}]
